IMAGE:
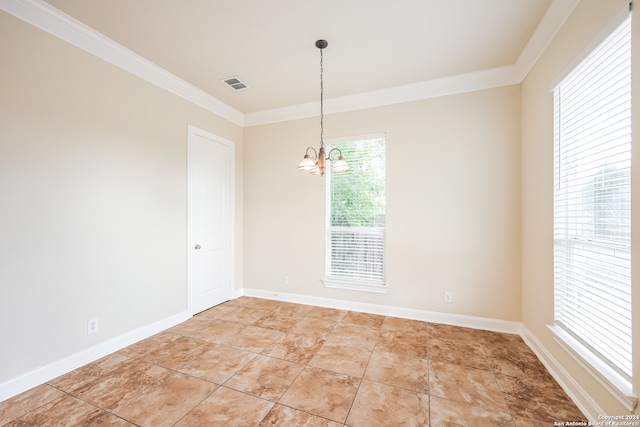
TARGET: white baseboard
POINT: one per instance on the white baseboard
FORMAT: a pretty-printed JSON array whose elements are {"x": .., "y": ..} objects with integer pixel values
[
  {"x": 46, "y": 373},
  {"x": 405, "y": 313},
  {"x": 580, "y": 397}
]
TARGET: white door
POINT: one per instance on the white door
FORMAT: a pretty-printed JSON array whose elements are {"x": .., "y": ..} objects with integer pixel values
[{"x": 210, "y": 220}]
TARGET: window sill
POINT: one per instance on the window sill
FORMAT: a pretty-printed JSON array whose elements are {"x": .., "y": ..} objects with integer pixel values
[
  {"x": 355, "y": 285},
  {"x": 614, "y": 383}
]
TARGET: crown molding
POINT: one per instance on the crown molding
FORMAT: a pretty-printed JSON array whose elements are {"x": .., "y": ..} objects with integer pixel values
[
  {"x": 485, "y": 79},
  {"x": 51, "y": 20},
  {"x": 553, "y": 19}
]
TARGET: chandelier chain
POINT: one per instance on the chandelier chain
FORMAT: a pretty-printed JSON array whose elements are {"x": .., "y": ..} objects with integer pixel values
[
  {"x": 318, "y": 164},
  {"x": 321, "y": 103}
]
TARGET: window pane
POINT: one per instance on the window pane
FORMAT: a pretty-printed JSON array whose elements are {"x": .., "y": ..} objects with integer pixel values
[
  {"x": 356, "y": 213},
  {"x": 592, "y": 202}
]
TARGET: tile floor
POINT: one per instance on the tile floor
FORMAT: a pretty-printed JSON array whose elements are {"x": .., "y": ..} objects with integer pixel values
[{"x": 256, "y": 362}]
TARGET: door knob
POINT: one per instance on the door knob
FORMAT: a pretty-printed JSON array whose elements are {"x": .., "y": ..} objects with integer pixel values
[{"x": 197, "y": 247}]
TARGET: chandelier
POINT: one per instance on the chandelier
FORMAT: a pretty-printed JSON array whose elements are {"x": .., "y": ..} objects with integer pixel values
[{"x": 314, "y": 161}]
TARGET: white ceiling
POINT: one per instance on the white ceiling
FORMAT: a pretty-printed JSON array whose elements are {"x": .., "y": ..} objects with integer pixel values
[{"x": 374, "y": 45}]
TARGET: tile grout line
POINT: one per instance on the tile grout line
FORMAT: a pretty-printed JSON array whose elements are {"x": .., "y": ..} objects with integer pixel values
[
  {"x": 429, "y": 381},
  {"x": 353, "y": 401},
  {"x": 495, "y": 380}
]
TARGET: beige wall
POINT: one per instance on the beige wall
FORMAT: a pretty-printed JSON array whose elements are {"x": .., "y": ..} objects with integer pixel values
[
  {"x": 453, "y": 204},
  {"x": 590, "y": 22},
  {"x": 92, "y": 199}
]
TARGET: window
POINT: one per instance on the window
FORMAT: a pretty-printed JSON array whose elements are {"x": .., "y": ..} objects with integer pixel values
[
  {"x": 356, "y": 217},
  {"x": 592, "y": 209}
]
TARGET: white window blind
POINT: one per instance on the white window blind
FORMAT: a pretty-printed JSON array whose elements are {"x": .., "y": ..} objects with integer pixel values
[
  {"x": 592, "y": 203},
  {"x": 356, "y": 214}
]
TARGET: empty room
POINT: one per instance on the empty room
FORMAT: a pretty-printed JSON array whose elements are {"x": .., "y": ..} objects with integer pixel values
[{"x": 304, "y": 213}]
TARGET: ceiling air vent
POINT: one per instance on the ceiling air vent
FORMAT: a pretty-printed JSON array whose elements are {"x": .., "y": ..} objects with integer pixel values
[{"x": 235, "y": 83}]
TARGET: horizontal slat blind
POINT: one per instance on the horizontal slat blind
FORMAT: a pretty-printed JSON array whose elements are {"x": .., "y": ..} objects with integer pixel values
[
  {"x": 356, "y": 213},
  {"x": 592, "y": 202}
]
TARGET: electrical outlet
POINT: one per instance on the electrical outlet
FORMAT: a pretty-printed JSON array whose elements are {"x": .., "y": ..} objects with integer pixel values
[
  {"x": 448, "y": 297},
  {"x": 92, "y": 326},
  {"x": 285, "y": 280}
]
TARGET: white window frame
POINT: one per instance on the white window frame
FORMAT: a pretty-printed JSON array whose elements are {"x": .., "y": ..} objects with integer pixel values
[
  {"x": 618, "y": 384},
  {"x": 329, "y": 280}
]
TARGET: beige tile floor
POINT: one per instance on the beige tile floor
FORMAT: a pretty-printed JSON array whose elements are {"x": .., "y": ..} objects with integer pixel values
[{"x": 256, "y": 362}]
